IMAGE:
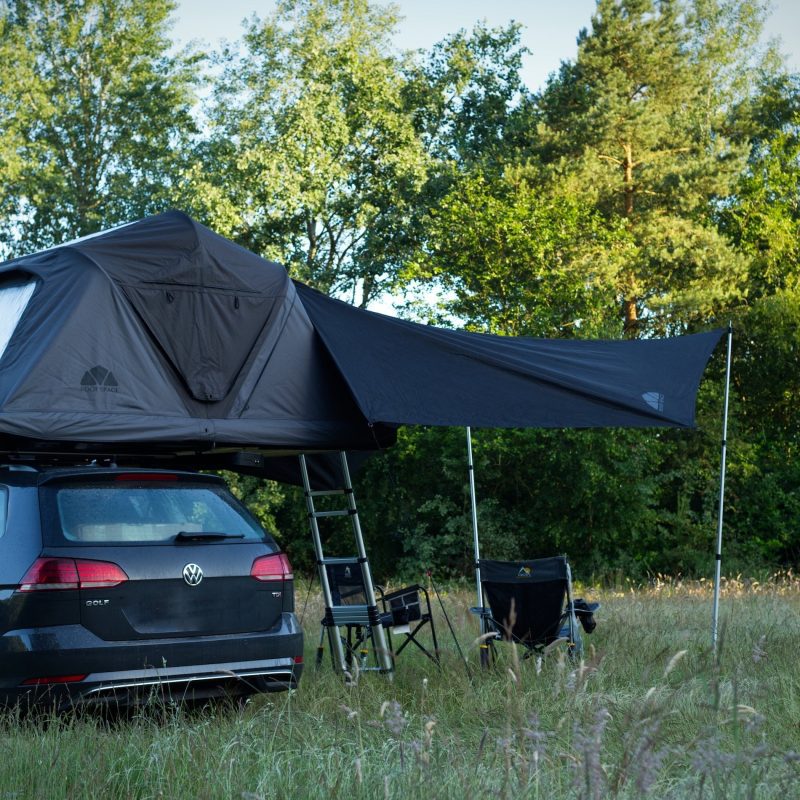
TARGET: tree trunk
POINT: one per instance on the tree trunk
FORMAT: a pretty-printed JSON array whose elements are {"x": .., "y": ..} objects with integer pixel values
[
  {"x": 311, "y": 234},
  {"x": 631, "y": 316},
  {"x": 367, "y": 288},
  {"x": 629, "y": 312},
  {"x": 627, "y": 166}
]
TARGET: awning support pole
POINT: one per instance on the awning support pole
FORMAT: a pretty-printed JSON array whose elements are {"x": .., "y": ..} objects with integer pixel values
[
  {"x": 723, "y": 460},
  {"x": 476, "y": 544}
]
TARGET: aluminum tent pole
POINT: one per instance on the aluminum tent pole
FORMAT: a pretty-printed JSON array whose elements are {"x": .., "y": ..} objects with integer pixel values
[
  {"x": 476, "y": 542},
  {"x": 723, "y": 459}
]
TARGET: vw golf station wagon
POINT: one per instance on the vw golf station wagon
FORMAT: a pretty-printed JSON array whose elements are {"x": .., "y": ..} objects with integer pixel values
[{"x": 118, "y": 583}]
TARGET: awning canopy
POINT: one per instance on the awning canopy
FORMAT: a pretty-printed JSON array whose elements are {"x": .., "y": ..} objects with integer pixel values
[{"x": 401, "y": 372}]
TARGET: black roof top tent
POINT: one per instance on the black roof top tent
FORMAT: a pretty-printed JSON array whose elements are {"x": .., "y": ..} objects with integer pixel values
[
  {"x": 162, "y": 334},
  {"x": 164, "y": 341}
]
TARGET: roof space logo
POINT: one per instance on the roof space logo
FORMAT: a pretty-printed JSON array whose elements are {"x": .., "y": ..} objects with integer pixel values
[
  {"x": 99, "y": 379},
  {"x": 654, "y": 400}
]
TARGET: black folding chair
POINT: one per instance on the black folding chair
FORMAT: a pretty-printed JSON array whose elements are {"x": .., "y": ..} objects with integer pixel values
[
  {"x": 531, "y": 603},
  {"x": 350, "y": 611},
  {"x": 404, "y": 614}
]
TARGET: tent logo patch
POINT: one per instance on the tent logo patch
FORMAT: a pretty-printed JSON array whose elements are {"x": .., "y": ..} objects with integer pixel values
[
  {"x": 524, "y": 572},
  {"x": 654, "y": 400},
  {"x": 99, "y": 379}
]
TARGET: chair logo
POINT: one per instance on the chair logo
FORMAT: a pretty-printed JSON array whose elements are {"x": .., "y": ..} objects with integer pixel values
[
  {"x": 654, "y": 400},
  {"x": 192, "y": 574},
  {"x": 99, "y": 379},
  {"x": 524, "y": 572}
]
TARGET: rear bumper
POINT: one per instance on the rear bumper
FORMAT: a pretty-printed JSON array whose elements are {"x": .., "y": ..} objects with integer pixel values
[{"x": 123, "y": 672}]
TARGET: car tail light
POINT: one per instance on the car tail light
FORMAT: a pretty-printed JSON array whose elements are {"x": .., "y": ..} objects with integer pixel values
[
  {"x": 99, "y": 574},
  {"x": 54, "y": 679},
  {"x": 272, "y": 568},
  {"x": 49, "y": 574},
  {"x": 298, "y": 659}
]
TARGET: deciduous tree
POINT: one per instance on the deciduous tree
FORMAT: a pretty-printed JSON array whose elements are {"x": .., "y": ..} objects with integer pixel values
[
  {"x": 98, "y": 113},
  {"x": 314, "y": 159}
]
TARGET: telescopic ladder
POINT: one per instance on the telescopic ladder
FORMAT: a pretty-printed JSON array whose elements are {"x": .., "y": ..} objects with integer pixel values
[{"x": 364, "y": 616}]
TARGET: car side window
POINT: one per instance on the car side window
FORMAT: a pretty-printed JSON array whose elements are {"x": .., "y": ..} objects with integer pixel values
[{"x": 3, "y": 509}]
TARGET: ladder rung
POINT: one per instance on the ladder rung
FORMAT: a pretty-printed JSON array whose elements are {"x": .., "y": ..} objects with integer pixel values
[
  {"x": 352, "y": 615},
  {"x": 352, "y": 560},
  {"x": 326, "y": 492},
  {"x": 343, "y": 513}
]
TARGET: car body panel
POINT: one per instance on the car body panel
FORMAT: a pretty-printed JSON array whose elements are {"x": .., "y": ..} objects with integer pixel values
[{"x": 229, "y": 633}]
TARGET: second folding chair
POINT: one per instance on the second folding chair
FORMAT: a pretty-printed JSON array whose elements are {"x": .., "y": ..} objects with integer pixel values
[
  {"x": 531, "y": 603},
  {"x": 404, "y": 615}
]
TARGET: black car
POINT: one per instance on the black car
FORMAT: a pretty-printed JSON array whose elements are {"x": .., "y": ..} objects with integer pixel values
[{"x": 117, "y": 583}]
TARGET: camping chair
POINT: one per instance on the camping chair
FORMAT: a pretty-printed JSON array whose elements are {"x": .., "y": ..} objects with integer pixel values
[
  {"x": 402, "y": 614},
  {"x": 350, "y": 611},
  {"x": 531, "y": 603}
]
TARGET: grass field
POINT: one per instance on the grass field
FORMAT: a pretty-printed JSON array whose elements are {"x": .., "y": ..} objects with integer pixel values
[{"x": 647, "y": 714}]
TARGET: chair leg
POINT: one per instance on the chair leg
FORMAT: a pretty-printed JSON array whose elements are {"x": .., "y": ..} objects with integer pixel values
[
  {"x": 320, "y": 646},
  {"x": 575, "y": 638},
  {"x": 410, "y": 637}
]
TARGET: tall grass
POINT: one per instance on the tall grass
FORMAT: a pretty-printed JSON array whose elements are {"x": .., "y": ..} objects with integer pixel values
[{"x": 648, "y": 713}]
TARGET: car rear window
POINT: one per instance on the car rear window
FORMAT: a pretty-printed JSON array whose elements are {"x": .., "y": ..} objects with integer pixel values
[{"x": 145, "y": 511}]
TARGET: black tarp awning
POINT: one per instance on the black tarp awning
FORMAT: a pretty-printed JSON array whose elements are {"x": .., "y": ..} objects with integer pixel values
[
  {"x": 410, "y": 373},
  {"x": 163, "y": 336}
]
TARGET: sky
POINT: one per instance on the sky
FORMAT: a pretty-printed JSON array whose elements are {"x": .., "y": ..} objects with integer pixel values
[{"x": 549, "y": 32}]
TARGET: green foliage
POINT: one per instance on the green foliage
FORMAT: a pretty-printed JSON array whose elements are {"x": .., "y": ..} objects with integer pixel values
[
  {"x": 17, "y": 95},
  {"x": 764, "y": 218},
  {"x": 467, "y": 96},
  {"x": 642, "y": 124},
  {"x": 100, "y": 113},
  {"x": 615, "y": 500},
  {"x": 313, "y": 159},
  {"x": 262, "y": 498},
  {"x": 766, "y": 375},
  {"x": 511, "y": 259},
  {"x": 765, "y": 487}
]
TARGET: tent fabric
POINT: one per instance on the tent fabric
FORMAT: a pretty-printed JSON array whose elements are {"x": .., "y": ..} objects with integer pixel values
[
  {"x": 433, "y": 376},
  {"x": 162, "y": 333}
]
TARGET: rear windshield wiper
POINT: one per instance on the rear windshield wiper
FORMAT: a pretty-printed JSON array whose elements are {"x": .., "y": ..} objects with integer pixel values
[{"x": 206, "y": 536}]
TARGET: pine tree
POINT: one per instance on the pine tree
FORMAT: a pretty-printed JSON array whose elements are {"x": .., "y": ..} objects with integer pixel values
[{"x": 644, "y": 125}]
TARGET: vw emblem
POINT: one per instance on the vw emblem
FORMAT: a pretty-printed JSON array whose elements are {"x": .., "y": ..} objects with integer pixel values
[{"x": 192, "y": 574}]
